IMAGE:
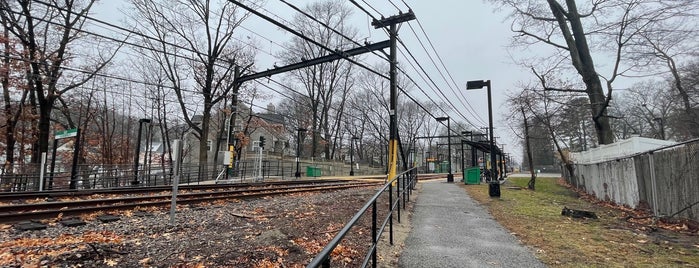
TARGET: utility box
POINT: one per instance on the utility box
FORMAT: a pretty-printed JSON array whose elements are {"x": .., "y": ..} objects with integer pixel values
[
  {"x": 312, "y": 171},
  {"x": 472, "y": 176}
]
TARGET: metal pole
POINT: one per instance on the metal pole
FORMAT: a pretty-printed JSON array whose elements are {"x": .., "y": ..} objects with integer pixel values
[
  {"x": 494, "y": 186},
  {"x": 298, "y": 151},
  {"x": 177, "y": 146},
  {"x": 473, "y": 152},
  {"x": 231, "y": 123},
  {"x": 463, "y": 162},
  {"x": 42, "y": 171},
  {"x": 53, "y": 163},
  {"x": 504, "y": 162},
  {"x": 138, "y": 152},
  {"x": 450, "y": 176},
  {"x": 74, "y": 168},
  {"x": 352, "y": 156}
]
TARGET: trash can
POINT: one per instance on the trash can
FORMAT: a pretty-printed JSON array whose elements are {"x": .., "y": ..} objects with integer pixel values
[
  {"x": 312, "y": 171},
  {"x": 473, "y": 176}
]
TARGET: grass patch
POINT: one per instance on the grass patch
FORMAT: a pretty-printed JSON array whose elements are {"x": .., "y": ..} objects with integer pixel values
[{"x": 610, "y": 241}]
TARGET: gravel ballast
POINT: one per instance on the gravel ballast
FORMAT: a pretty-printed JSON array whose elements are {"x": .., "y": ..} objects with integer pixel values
[{"x": 278, "y": 231}]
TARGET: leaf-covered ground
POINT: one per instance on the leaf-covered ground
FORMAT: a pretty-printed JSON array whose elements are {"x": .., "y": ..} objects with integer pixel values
[
  {"x": 616, "y": 239},
  {"x": 280, "y": 231}
]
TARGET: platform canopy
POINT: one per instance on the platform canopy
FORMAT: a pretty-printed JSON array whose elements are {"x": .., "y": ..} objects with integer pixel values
[{"x": 483, "y": 146}]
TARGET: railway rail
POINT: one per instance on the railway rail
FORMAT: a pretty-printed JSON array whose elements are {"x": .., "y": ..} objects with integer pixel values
[
  {"x": 13, "y": 213},
  {"x": 20, "y": 197}
]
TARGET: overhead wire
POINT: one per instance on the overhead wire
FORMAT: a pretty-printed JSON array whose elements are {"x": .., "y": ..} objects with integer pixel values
[
  {"x": 145, "y": 82},
  {"x": 181, "y": 47},
  {"x": 468, "y": 104},
  {"x": 394, "y": 5},
  {"x": 423, "y": 70},
  {"x": 330, "y": 28},
  {"x": 437, "y": 89},
  {"x": 434, "y": 83}
]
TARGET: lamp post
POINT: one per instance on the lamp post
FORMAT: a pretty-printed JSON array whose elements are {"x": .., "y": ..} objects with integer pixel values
[
  {"x": 450, "y": 176},
  {"x": 494, "y": 186},
  {"x": 504, "y": 163},
  {"x": 463, "y": 159},
  {"x": 298, "y": 150},
  {"x": 138, "y": 149},
  {"x": 352, "y": 155}
]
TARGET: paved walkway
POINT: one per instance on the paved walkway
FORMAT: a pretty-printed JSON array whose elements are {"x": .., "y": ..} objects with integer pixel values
[{"x": 451, "y": 230}]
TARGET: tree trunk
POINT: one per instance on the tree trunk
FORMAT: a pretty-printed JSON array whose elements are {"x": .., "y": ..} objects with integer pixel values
[
  {"x": 203, "y": 144},
  {"x": 572, "y": 30},
  {"x": 531, "y": 185},
  {"x": 44, "y": 129}
]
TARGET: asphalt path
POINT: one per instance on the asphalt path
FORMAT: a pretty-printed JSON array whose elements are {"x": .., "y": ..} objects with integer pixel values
[{"x": 451, "y": 230}]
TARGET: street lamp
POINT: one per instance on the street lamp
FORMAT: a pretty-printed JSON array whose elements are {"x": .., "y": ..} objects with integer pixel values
[
  {"x": 494, "y": 186},
  {"x": 352, "y": 155},
  {"x": 298, "y": 150},
  {"x": 138, "y": 149},
  {"x": 450, "y": 177}
]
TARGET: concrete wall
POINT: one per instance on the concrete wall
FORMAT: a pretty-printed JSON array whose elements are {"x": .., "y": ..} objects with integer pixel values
[{"x": 665, "y": 181}]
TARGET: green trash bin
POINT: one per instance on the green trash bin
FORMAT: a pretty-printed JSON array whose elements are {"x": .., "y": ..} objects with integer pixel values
[
  {"x": 312, "y": 171},
  {"x": 473, "y": 176}
]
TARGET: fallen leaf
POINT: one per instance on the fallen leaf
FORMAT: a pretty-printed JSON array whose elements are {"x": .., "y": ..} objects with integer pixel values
[
  {"x": 144, "y": 261},
  {"x": 110, "y": 263}
]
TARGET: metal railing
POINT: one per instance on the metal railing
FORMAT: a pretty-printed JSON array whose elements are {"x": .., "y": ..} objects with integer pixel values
[
  {"x": 404, "y": 184},
  {"x": 103, "y": 177}
]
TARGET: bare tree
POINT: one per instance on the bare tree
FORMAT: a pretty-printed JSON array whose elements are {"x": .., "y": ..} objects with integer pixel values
[
  {"x": 49, "y": 33},
  {"x": 14, "y": 93},
  {"x": 667, "y": 44},
  {"x": 194, "y": 46},
  {"x": 326, "y": 84},
  {"x": 578, "y": 31}
]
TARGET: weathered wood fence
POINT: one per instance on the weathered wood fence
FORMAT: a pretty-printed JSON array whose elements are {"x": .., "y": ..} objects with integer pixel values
[{"x": 665, "y": 180}]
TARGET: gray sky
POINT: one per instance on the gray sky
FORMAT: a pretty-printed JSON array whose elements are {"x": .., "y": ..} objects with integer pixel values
[{"x": 468, "y": 35}]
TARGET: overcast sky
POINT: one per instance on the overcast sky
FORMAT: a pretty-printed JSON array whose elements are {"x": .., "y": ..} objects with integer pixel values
[{"x": 468, "y": 35}]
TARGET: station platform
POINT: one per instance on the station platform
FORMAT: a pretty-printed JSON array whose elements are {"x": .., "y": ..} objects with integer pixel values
[{"x": 450, "y": 229}]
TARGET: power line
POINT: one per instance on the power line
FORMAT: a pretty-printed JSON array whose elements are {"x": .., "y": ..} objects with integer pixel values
[
  {"x": 372, "y": 7},
  {"x": 394, "y": 5},
  {"x": 433, "y": 82},
  {"x": 184, "y": 48},
  {"x": 363, "y": 9},
  {"x": 328, "y": 27},
  {"x": 443, "y": 65}
]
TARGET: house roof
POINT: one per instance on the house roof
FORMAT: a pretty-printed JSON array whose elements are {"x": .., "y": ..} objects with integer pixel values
[{"x": 272, "y": 118}]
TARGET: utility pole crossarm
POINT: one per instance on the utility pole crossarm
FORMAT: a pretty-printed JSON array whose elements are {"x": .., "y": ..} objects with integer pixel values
[{"x": 385, "y": 22}]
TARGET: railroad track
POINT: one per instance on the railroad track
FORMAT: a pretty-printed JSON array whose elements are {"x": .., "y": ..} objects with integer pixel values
[
  {"x": 20, "y": 197},
  {"x": 44, "y": 210}
]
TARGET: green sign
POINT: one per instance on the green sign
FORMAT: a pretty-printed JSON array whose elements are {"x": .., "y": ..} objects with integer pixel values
[{"x": 66, "y": 133}]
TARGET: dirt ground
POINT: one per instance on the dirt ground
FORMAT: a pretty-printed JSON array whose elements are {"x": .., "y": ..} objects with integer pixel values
[{"x": 281, "y": 231}]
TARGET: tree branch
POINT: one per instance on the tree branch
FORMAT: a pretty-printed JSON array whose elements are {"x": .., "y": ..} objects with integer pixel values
[
  {"x": 544, "y": 40},
  {"x": 565, "y": 90}
]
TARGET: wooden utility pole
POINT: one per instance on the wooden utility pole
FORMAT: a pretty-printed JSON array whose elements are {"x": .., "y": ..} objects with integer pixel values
[{"x": 391, "y": 23}]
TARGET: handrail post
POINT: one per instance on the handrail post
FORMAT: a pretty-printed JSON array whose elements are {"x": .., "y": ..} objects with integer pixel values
[
  {"x": 398, "y": 193},
  {"x": 390, "y": 213},
  {"x": 326, "y": 262},
  {"x": 375, "y": 240},
  {"x": 406, "y": 196}
]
